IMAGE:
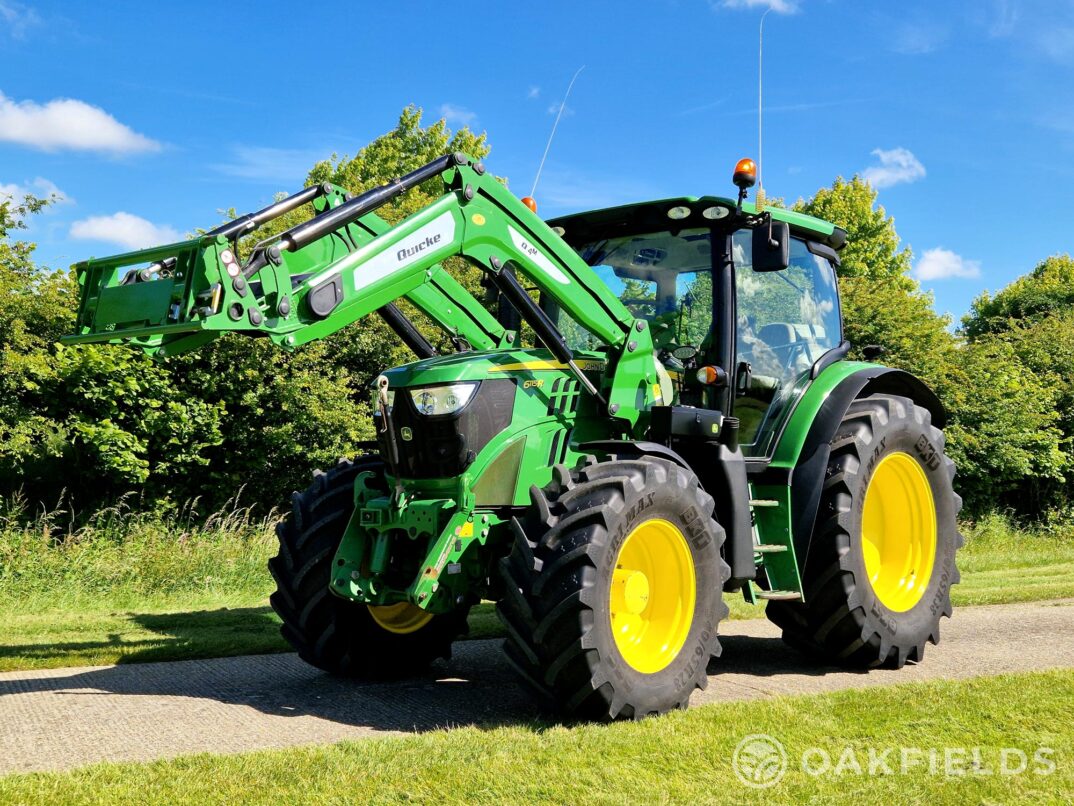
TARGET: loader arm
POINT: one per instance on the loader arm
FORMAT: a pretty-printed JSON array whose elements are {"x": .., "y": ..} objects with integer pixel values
[
  {"x": 312, "y": 282},
  {"x": 145, "y": 306}
]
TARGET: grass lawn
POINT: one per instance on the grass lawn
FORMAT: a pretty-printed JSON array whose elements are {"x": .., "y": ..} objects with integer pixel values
[
  {"x": 685, "y": 757},
  {"x": 141, "y": 589}
]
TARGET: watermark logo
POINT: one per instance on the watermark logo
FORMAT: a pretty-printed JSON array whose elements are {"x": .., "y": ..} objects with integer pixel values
[{"x": 759, "y": 761}]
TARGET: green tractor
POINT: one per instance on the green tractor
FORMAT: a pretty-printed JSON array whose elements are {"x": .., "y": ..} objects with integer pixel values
[{"x": 683, "y": 424}]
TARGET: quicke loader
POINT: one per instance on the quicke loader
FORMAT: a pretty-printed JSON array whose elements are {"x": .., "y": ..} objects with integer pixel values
[{"x": 685, "y": 425}]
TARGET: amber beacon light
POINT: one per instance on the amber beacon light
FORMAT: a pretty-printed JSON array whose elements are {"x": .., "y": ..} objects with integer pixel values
[{"x": 745, "y": 173}]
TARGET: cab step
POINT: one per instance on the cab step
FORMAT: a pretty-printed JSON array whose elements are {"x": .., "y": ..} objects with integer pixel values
[
  {"x": 768, "y": 548},
  {"x": 779, "y": 596},
  {"x": 763, "y": 502}
]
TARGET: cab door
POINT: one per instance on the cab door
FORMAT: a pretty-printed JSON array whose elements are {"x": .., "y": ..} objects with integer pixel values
[{"x": 786, "y": 320}]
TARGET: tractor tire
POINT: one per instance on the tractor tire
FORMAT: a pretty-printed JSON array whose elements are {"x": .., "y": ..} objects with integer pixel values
[
  {"x": 881, "y": 562},
  {"x": 613, "y": 589},
  {"x": 335, "y": 634}
]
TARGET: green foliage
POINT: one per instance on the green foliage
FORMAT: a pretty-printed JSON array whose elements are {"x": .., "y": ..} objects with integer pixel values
[
  {"x": 237, "y": 413},
  {"x": 110, "y": 415},
  {"x": 286, "y": 414},
  {"x": 1034, "y": 318},
  {"x": 1046, "y": 347},
  {"x": 1003, "y": 432},
  {"x": 1003, "y": 429},
  {"x": 1048, "y": 289},
  {"x": 873, "y": 247}
]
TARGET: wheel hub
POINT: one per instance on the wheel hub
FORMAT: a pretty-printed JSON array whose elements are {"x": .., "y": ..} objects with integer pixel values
[
  {"x": 635, "y": 590},
  {"x": 400, "y": 618}
]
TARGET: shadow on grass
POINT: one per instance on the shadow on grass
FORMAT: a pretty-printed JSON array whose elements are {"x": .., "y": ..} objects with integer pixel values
[{"x": 175, "y": 636}]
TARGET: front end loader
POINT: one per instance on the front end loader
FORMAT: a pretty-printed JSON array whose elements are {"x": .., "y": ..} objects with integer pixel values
[{"x": 682, "y": 424}]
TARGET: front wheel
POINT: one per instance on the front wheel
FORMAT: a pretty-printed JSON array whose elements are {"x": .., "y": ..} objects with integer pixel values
[
  {"x": 335, "y": 634},
  {"x": 881, "y": 561},
  {"x": 613, "y": 589}
]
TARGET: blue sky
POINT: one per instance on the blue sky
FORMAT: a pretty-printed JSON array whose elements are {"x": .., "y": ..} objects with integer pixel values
[{"x": 151, "y": 117}]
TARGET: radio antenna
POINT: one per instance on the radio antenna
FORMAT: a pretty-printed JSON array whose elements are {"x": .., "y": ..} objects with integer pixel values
[
  {"x": 548, "y": 145},
  {"x": 759, "y": 198}
]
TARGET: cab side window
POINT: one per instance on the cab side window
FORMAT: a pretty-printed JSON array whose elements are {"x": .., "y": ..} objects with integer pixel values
[{"x": 786, "y": 320}]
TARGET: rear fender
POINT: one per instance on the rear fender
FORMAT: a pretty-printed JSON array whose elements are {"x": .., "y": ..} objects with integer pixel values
[{"x": 805, "y": 471}]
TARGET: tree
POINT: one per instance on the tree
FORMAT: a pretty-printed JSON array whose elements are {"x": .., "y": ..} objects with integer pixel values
[
  {"x": 86, "y": 412},
  {"x": 873, "y": 247},
  {"x": 1003, "y": 430},
  {"x": 1048, "y": 289},
  {"x": 881, "y": 303},
  {"x": 1033, "y": 315},
  {"x": 237, "y": 413}
]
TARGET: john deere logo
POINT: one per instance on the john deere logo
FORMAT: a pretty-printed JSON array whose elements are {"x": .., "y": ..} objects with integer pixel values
[{"x": 406, "y": 434}]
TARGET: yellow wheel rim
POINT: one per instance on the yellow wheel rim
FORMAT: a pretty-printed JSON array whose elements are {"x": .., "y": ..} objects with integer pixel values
[
  {"x": 401, "y": 618},
  {"x": 652, "y": 595},
  {"x": 898, "y": 532}
]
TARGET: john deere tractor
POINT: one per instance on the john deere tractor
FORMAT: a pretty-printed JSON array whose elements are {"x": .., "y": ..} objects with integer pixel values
[{"x": 682, "y": 425}]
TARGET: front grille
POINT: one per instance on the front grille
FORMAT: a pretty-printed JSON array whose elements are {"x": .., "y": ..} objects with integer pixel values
[{"x": 444, "y": 446}]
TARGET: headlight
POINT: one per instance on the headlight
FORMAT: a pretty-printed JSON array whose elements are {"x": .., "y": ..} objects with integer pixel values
[{"x": 448, "y": 399}]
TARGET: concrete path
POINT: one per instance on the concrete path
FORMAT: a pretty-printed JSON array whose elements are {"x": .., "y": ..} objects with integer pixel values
[{"x": 62, "y": 718}]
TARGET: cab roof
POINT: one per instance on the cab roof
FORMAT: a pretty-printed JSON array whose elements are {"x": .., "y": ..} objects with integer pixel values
[{"x": 652, "y": 216}]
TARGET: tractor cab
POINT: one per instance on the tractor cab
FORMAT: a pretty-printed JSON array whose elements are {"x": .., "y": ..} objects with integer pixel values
[{"x": 767, "y": 334}]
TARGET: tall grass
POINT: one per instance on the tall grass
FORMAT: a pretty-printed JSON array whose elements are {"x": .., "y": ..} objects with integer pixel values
[
  {"x": 121, "y": 557},
  {"x": 124, "y": 558},
  {"x": 998, "y": 537}
]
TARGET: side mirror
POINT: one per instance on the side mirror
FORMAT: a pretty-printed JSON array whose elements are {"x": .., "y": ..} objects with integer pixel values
[{"x": 772, "y": 246}]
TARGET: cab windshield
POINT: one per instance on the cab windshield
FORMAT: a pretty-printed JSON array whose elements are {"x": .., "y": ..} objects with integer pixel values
[
  {"x": 663, "y": 278},
  {"x": 785, "y": 320}
]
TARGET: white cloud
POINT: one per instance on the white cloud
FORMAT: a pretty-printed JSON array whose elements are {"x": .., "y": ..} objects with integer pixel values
[
  {"x": 279, "y": 166},
  {"x": 124, "y": 229},
  {"x": 897, "y": 165},
  {"x": 458, "y": 115},
  {"x": 40, "y": 187},
  {"x": 553, "y": 109},
  {"x": 534, "y": 92},
  {"x": 1057, "y": 43},
  {"x": 17, "y": 18},
  {"x": 919, "y": 37},
  {"x": 778, "y": 6},
  {"x": 67, "y": 123},
  {"x": 943, "y": 264}
]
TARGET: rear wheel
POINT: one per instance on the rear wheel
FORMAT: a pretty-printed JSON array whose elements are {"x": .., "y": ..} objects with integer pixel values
[
  {"x": 881, "y": 562},
  {"x": 613, "y": 589},
  {"x": 335, "y": 634}
]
